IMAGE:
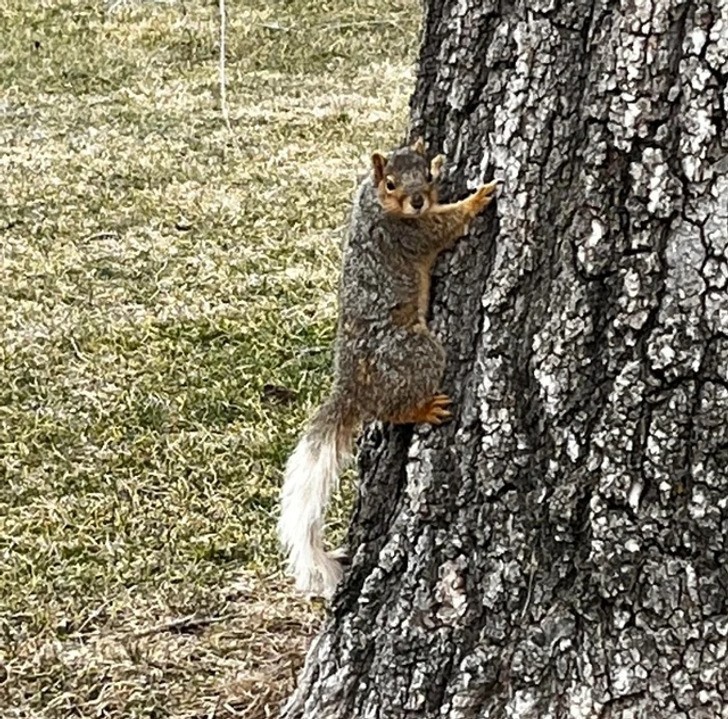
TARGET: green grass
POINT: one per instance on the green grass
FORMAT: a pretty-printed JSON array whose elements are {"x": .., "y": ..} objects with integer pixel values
[{"x": 168, "y": 306}]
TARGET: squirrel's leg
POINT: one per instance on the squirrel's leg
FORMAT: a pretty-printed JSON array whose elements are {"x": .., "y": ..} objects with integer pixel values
[
  {"x": 449, "y": 222},
  {"x": 471, "y": 205},
  {"x": 406, "y": 372}
]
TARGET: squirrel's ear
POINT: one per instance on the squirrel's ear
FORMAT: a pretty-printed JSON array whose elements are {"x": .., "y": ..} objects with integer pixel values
[
  {"x": 378, "y": 163},
  {"x": 419, "y": 145},
  {"x": 436, "y": 166}
]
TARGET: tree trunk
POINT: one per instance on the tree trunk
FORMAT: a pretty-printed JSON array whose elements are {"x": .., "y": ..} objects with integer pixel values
[{"x": 560, "y": 550}]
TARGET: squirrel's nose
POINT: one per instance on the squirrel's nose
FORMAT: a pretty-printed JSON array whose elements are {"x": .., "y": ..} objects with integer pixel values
[{"x": 417, "y": 201}]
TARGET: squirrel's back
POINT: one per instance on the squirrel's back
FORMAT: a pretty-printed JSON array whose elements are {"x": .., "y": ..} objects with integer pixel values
[
  {"x": 376, "y": 272},
  {"x": 366, "y": 211}
]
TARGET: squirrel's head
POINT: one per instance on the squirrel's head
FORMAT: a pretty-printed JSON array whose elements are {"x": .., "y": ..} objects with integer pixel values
[{"x": 406, "y": 183}]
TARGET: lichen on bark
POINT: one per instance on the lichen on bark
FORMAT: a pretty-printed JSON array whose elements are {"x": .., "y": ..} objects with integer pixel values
[{"x": 561, "y": 549}]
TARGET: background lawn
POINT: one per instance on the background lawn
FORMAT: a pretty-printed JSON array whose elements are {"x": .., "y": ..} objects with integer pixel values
[{"x": 167, "y": 306}]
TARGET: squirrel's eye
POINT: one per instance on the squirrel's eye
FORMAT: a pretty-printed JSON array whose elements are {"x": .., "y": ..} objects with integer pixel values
[{"x": 391, "y": 186}]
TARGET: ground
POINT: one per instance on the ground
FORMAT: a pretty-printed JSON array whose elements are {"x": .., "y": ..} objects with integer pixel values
[{"x": 168, "y": 303}]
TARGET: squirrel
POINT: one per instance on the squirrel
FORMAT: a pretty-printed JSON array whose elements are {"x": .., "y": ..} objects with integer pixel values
[{"x": 388, "y": 365}]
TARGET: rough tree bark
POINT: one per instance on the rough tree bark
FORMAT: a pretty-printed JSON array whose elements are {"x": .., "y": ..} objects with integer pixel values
[{"x": 561, "y": 549}]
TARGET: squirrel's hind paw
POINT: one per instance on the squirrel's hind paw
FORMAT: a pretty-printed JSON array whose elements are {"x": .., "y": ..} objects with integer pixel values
[{"x": 434, "y": 411}]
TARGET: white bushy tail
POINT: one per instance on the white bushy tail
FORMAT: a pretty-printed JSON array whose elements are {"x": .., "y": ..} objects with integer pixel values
[{"x": 311, "y": 475}]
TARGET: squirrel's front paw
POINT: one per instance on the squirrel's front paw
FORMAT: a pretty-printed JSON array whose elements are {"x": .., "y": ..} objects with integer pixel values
[{"x": 483, "y": 196}]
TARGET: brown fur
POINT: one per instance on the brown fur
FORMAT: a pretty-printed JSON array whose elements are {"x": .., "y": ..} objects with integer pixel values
[
  {"x": 419, "y": 146},
  {"x": 433, "y": 411},
  {"x": 423, "y": 297}
]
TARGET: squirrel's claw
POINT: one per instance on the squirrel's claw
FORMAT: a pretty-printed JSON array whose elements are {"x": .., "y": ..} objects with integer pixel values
[
  {"x": 483, "y": 196},
  {"x": 438, "y": 416},
  {"x": 436, "y": 412}
]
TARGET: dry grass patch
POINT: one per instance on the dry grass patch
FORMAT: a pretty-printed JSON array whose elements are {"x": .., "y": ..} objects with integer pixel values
[
  {"x": 168, "y": 304},
  {"x": 240, "y": 661}
]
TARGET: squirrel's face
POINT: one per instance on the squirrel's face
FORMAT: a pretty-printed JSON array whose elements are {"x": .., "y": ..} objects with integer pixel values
[{"x": 406, "y": 184}]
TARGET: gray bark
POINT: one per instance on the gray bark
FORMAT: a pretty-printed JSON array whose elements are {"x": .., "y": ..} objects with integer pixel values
[{"x": 561, "y": 549}]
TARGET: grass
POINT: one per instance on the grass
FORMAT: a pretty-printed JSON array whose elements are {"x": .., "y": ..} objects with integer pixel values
[{"x": 168, "y": 304}]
